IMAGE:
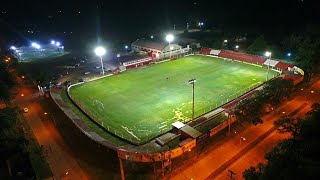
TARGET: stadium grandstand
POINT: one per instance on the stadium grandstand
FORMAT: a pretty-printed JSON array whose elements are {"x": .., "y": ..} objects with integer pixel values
[
  {"x": 158, "y": 49},
  {"x": 263, "y": 61},
  {"x": 134, "y": 59},
  {"x": 36, "y": 51}
]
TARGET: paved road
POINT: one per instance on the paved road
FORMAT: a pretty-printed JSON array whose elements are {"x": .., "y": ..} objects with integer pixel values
[
  {"x": 215, "y": 162},
  {"x": 59, "y": 157}
]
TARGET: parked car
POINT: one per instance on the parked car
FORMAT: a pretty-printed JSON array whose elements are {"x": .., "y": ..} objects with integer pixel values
[{"x": 86, "y": 73}]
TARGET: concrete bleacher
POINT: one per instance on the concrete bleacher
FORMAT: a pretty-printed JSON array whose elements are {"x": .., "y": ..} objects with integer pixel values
[
  {"x": 214, "y": 52},
  {"x": 271, "y": 63}
]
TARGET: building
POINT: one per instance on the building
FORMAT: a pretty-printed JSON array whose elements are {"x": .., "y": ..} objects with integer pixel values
[{"x": 156, "y": 49}]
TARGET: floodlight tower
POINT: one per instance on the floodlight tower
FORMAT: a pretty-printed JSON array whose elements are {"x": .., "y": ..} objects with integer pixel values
[
  {"x": 268, "y": 54},
  {"x": 170, "y": 38},
  {"x": 192, "y": 81},
  {"x": 100, "y": 51}
]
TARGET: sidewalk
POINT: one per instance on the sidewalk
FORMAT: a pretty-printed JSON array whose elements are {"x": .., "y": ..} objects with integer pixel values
[{"x": 213, "y": 162}]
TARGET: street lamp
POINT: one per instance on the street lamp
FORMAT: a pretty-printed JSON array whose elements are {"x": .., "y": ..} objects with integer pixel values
[
  {"x": 118, "y": 57},
  {"x": 53, "y": 42},
  {"x": 268, "y": 54},
  {"x": 170, "y": 38},
  {"x": 237, "y": 47},
  {"x": 192, "y": 81},
  {"x": 100, "y": 51},
  {"x": 242, "y": 138}
]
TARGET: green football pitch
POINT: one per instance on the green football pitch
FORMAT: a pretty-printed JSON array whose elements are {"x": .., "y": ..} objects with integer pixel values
[{"x": 140, "y": 104}]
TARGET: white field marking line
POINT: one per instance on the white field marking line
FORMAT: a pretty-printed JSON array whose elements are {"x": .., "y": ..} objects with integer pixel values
[
  {"x": 162, "y": 127},
  {"x": 127, "y": 129},
  {"x": 98, "y": 104}
]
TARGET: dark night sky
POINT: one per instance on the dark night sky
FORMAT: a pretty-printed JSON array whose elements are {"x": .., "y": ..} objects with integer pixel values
[{"x": 124, "y": 18}]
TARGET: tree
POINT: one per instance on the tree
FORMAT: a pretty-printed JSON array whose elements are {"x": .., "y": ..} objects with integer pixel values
[
  {"x": 252, "y": 173},
  {"x": 277, "y": 89},
  {"x": 315, "y": 107},
  {"x": 8, "y": 118},
  {"x": 307, "y": 55},
  {"x": 294, "y": 158},
  {"x": 259, "y": 45},
  {"x": 292, "y": 43},
  {"x": 4, "y": 92},
  {"x": 289, "y": 125}
]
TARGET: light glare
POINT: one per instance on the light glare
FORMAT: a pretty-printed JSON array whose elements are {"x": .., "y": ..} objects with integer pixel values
[
  {"x": 169, "y": 38},
  {"x": 268, "y": 54},
  {"x": 100, "y": 51}
]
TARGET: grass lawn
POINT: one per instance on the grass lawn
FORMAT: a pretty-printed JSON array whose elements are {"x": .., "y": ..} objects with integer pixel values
[{"x": 141, "y": 104}]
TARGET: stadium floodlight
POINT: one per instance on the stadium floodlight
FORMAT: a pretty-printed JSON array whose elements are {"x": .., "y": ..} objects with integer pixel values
[
  {"x": 170, "y": 38},
  {"x": 35, "y": 45},
  {"x": 53, "y": 42},
  {"x": 268, "y": 54},
  {"x": 100, "y": 51},
  {"x": 13, "y": 48},
  {"x": 58, "y": 44},
  {"x": 192, "y": 81}
]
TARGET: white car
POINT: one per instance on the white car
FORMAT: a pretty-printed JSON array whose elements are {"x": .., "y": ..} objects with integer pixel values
[
  {"x": 98, "y": 67},
  {"x": 25, "y": 110},
  {"x": 87, "y": 73}
]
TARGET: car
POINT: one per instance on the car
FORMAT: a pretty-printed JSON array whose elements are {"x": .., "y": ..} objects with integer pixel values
[
  {"x": 98, "y": 67},
  {"x": 25, "y": 110},
  {"x": 87, "y": 73},
  {"x": 81, "y": 80}
]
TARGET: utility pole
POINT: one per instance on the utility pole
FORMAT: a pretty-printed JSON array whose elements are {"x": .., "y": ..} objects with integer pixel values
[
  {"x": 192, "y": 81},
  {"x": 121, "y": 169},
  {"x": 231, "y": 175}
]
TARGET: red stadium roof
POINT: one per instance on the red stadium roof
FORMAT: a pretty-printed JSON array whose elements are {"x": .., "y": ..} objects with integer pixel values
[{"x": 283, "y": 65}]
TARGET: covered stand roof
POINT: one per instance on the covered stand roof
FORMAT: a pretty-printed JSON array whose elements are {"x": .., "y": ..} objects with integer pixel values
[
  {"x": 187, "y": 129},
  {"x": 157, "y": 45}
]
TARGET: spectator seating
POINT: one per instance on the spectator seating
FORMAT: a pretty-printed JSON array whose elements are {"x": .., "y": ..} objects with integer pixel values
[
  {"x": 242, "y": 57},
  {"x": 205, "y": 51}
]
